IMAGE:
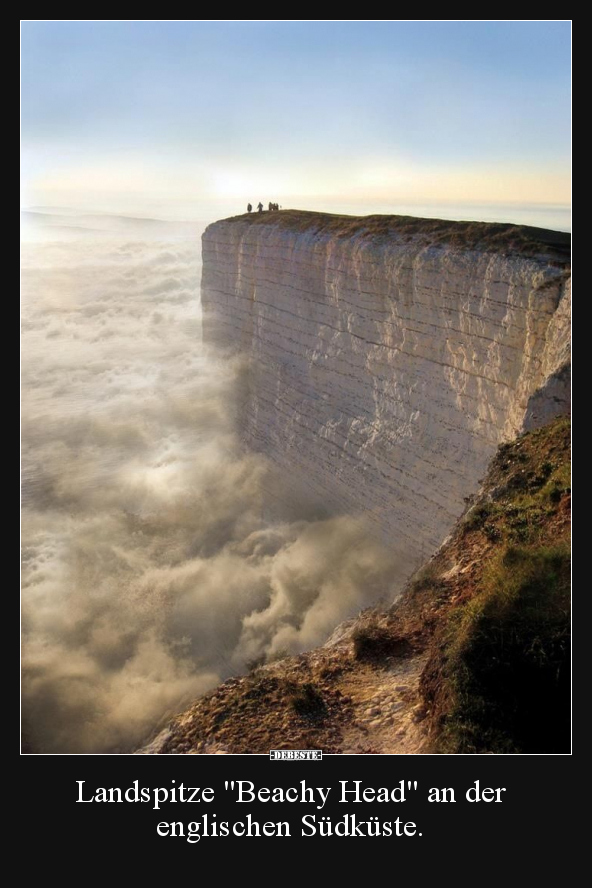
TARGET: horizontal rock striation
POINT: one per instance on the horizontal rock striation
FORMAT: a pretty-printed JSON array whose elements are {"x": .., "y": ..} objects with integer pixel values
[{"x": 388, "y": 357}]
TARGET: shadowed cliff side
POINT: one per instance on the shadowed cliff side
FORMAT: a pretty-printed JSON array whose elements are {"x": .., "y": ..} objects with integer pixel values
[
  {"x": 473, "y": 658},
  {"x": 389, "y": 356}
]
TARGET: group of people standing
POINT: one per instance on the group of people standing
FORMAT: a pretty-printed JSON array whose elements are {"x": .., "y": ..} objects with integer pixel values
[{"x": 271, "y": 206}]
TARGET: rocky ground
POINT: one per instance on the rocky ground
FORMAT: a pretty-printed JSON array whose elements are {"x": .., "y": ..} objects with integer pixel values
[
  {"x": 326, "y": 699},
  {"x": 405, "y": 681}
]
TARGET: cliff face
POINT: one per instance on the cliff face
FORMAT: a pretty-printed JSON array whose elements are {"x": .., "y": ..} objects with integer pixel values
[{"x": 389, "y": 359}]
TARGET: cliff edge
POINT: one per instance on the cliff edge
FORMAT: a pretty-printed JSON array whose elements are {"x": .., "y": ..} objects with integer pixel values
[
  {"x": 393, "y": 363},
  {"x": 389, "y": 356}
]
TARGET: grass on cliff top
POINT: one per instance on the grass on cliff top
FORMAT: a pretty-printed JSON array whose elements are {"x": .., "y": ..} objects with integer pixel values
[
  {"x": 498, "y": 679},
  {"x": 488, "y": 236}
]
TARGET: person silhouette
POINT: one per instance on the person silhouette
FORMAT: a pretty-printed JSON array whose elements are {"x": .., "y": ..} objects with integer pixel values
[
  {"x": 260, "y": 207},
  {"x": 249, "y": 207}
]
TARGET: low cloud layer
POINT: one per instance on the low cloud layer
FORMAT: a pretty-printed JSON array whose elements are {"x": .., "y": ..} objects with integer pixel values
[{"x": 151, "y": 571}]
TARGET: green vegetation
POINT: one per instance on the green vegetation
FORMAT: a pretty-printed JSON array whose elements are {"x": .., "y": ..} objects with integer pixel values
[
  {"x": 533, "y": 483},
  {"x": 498, "y": 678},
  {"x": 508, "y": 657},
  {"x": 488, "y": 236}
]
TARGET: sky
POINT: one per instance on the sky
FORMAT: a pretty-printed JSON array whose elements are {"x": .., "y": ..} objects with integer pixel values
[{"x": 120, "y": 112}]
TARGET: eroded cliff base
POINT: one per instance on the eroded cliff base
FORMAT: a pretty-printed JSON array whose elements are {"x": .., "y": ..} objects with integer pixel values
[{"x": 473, "y": 658}]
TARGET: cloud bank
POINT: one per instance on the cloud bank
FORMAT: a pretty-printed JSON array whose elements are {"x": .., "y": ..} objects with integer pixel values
[{"x": 151, "y": 567}]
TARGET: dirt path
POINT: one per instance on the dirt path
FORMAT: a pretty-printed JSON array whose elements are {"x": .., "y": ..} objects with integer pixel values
[
  {"x": 365, "y": 708},
  {"x": 387, "y": 712}
]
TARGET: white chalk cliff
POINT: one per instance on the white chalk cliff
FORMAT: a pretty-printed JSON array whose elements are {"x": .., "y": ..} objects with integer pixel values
[{"x": 388, "y": 360}]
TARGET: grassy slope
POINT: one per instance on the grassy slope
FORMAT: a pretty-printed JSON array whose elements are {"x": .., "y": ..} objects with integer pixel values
[
  {"x": 486, "y": 622},
  {"x": 498, "y": 675}
]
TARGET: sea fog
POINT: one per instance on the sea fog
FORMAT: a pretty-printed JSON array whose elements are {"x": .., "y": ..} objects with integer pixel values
[{"x": 150, "y": 569}]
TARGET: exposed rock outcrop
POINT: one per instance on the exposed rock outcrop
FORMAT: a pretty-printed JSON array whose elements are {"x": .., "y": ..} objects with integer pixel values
[{"x": 389, "y": 356}]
